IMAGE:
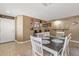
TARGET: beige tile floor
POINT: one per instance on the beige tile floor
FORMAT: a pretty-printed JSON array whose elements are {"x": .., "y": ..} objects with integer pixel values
[
  {"x": 74, "y": 51},
  {"x": 15, "y": 49}
]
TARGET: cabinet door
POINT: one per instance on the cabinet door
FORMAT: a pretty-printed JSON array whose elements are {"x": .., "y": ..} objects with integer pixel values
[{"x": 7, "y": 30}]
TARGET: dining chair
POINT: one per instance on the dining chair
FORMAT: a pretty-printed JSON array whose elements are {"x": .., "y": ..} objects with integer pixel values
[
  {"x": 40, "y": 35},
  {"x": 46, "y": 35},
  {"x": 37, "y": 48},
  {"x": 60, "y": 34},
  {"x": 65, "y": 50}
]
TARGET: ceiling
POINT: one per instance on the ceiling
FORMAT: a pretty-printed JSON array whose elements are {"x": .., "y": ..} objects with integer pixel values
[{"x": 40, "y": 10}]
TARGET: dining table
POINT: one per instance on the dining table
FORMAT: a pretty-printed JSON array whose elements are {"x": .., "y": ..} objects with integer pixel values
[{"x": 53, "y": 47}]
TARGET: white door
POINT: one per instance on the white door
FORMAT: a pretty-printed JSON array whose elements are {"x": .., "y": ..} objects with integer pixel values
[{"x": 7, "y": 30}]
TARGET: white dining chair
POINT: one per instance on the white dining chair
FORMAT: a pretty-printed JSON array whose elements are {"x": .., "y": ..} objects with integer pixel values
[
  {"x": 46, "y": 33},
  {"x": 45, "y": 36},
  {"x": 65, "y": 50},
  {"x": 37, "y": 48},
  {"x": 40, "y": 35},
  {"x": 60, "y": 34}
]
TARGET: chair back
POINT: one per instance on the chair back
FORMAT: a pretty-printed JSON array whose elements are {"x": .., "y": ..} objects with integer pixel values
[
  {"x": 47, "y": 34},
  {"x": 36, "y": 45},
  {"x": 40, "y": 35},
  {"x": 60, "y": 34},
  {"x": 44, "y": 35},
  {"x": 66, "y": 45}
]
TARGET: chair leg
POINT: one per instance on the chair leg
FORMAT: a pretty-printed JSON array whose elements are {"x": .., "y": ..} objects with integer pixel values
[
  {"x": 68, "y": 51},
  {"x": 33, "y": 53}
]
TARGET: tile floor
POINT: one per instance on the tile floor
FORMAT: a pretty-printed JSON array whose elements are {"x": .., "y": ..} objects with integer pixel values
[
  {"x": 74, "y": 51},
  {"x": 15, "y": 49}
]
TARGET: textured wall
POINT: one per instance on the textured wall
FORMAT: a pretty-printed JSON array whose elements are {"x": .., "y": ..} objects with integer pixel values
[
  {"x": 26, "y": 28},
  {"x": 22, "y": 28},
  {"x": 19, "y": 28},
  {"x": 72, "y": 23}
]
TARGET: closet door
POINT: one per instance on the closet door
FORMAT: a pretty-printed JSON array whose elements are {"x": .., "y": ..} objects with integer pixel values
[{"x": 7, "y": 30}]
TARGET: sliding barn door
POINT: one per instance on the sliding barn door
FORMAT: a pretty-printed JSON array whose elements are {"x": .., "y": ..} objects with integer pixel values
[{"x": 7, "y": 30}]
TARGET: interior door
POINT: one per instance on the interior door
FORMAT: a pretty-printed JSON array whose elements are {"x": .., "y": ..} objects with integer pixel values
[{"x": 7, "y": 30}]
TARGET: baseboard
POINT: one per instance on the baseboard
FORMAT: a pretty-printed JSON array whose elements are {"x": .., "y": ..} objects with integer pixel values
[
  {"x": 74, "y": 41},
  {"x": 22, "y": 42},
  {"x": 6, "y": 42}
]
